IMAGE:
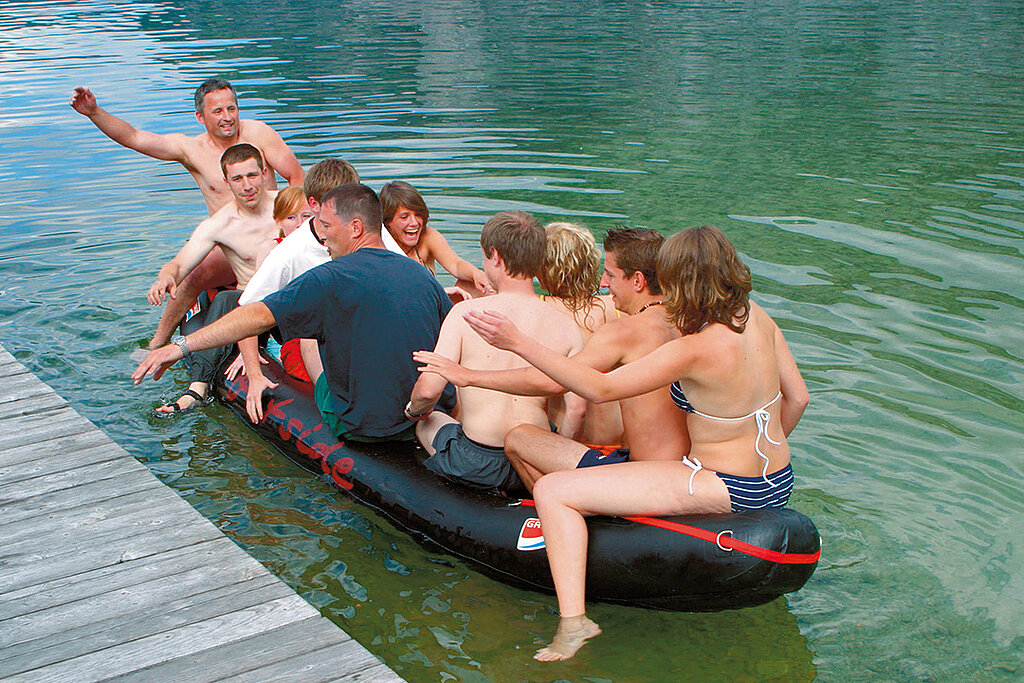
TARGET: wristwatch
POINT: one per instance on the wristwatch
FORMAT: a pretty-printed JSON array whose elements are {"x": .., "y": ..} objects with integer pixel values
[{"x": 185, "y": 353}]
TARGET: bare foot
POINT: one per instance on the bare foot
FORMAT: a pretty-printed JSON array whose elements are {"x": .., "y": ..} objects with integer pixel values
[{"x": 572, "y": 633}]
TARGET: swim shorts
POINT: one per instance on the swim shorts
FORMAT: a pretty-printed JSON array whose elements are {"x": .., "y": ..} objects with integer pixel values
[
  {"x": 458, "y": 457},
  {"x": 754, "y": 493},
  {"x": 603, "y": 455}
]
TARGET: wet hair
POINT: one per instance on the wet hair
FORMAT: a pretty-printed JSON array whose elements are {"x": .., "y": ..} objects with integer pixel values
[
  {"x": 397, "y": 194},
  {"x": 327, "y": 174},
  {"x": 355, "y": 200},
  {"x": 212, "y": 85},
  {"x": 518, "y": 238},
  {"x": 572, "y": 265},
  {"x": 288, "y": 201},
  {"x": 636, "y": 251},
  {"x": 238, "y": 153},
  {"x": 704, "y": 280}
]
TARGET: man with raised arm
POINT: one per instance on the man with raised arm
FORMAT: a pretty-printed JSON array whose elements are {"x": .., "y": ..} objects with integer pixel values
[
  {"x": 216, "y": 107},
  {"x": 238, "y": 228},
  {"x": 369, "y": 308},
  {"x": 654, "y": 428},
  {"x": 470, "y": 450}
]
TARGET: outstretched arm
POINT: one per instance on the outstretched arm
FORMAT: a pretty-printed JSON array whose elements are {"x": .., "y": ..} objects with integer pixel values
[
  {"x": 170, "y": 147},
  {"x": 654, "y": 371},
  {"x": 794, "y": 392},
  {"x": 601, "y": 352},
  {"x": 250, "y": 320},
  {"x": 457, "y": 266},
  {"x": 520, "y": 381}
]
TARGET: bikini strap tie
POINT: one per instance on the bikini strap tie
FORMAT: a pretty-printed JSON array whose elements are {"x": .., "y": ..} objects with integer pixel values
[{"x": 693, "y": 464}]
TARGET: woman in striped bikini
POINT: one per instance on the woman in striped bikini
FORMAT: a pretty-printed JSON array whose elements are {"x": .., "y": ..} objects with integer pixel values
[{"x": 732, "y": 362}]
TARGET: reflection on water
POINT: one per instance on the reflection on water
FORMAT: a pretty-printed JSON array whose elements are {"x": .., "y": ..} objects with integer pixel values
[{"x": 867, "y": 162}]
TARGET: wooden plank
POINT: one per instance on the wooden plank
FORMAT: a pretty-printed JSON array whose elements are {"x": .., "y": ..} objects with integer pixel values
[
  {"x": 52, "y": 643},
  {"x": 42, "y": 427},
  {"x": 63, "y": 459},
  {"x": 5, "y": 356},
  {"x": 55, "y": 481},
  {"x": 40, "y": 403},
  {"x": 309, "y": 635},
  {"x": 25, "y": 385},
  {"x": 73, "y": 525},
  {"x": 67, "y": 589},
  {"x": 343, "y": 661},
  {"x": 55, "y": 451},
  {"x": 107, "y": 549},
  {"x": 14, "y": 508},
  {"x": 154, "y": 649},
  {"x": 12, "y": 369},
  {"x": 132, "y": 604}
]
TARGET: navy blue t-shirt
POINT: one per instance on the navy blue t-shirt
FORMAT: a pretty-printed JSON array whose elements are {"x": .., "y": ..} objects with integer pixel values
[{"x": 369, "y": 310}]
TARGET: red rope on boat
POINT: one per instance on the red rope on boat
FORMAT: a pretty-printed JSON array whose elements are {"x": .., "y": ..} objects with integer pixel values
[{"x": 722, "y": 540}]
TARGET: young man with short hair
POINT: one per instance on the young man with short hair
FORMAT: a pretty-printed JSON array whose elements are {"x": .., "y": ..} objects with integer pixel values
[
  {"x": 238, "y": 228},
  {"x": 469, "y": 450}
]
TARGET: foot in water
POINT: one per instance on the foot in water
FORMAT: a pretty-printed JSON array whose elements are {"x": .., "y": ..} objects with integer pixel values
[
  {"x": 193, "y": 397},
  {"x": 571, "y": 635}
]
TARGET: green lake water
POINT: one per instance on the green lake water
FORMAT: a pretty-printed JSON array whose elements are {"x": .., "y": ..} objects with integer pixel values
[{"x": 866, "y": 158}]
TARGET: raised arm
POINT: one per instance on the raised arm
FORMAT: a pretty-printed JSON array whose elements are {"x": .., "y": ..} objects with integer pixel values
[
  {"x": 654, "y": 371},
  {"x": 170, "y": 147},
  {"x": 278, "y": 156},
  {"x": 458, "y": 267},
  {"x": 794, "y": 392}
]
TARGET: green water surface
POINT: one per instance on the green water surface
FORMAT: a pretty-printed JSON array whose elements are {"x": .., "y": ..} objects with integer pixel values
[{"x": 866, "y": 158}]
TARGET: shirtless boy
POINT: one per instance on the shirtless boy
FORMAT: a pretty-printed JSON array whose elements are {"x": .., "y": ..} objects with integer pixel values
[
  {"x": 654, "y": 428},
  {"x": 471, "y": 451},
  {"x": 239, "y": 228},
  {"x": 216, "y": 107}
]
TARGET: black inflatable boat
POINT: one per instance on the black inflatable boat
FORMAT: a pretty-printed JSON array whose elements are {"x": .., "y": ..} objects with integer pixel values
[{"x": 694, "y": 563}]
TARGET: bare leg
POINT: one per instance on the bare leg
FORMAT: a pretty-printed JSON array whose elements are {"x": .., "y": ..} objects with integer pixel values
[
  {"x": 565, "y": 498},
  {"x": 310, "y": 352},
  {"x": 213, "y": 271},
  {"x": 426, "y": 429},
  {"x": 535, "y": 452}
]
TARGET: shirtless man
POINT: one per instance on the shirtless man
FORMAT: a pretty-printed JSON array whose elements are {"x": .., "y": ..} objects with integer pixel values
[
  {"x": 216, "y": 108},
  {"x": 471, "y": 451},
  {"x": 654, "y": 428},
  {"x": 238, "y": 228}
]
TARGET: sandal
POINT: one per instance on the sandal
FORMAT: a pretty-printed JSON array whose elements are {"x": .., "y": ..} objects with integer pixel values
[{"x": 178, "y": 410}]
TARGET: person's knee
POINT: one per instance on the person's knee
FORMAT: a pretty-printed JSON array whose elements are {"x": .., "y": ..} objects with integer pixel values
[
  {"x": 550, "y": 488},
  {"x": 518, "y": 439}
]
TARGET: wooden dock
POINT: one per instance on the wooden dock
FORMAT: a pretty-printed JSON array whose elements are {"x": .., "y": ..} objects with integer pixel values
[{"x": 106, "y": 573}]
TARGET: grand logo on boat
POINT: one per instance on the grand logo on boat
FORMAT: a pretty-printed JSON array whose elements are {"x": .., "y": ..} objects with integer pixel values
[{"x": 531, "y": 537}]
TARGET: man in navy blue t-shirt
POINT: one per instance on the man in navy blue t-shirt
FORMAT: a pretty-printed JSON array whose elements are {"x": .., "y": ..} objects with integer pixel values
[{"x": 368, "y": 308}]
